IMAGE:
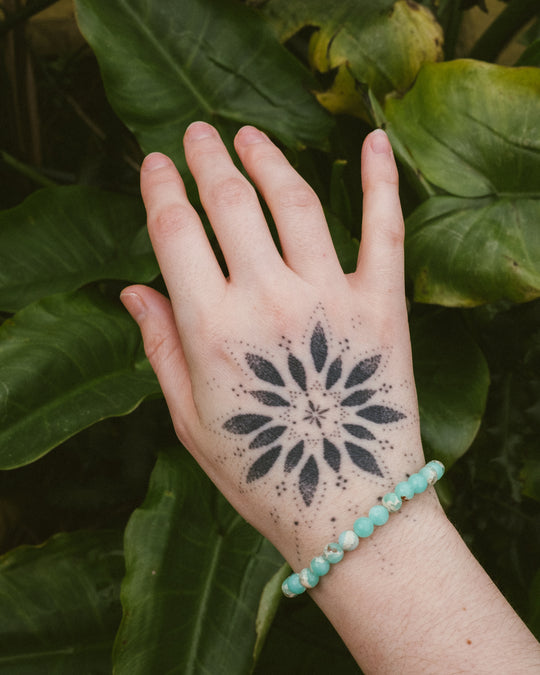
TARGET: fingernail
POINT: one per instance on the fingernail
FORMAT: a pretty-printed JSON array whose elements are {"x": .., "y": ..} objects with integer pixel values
[
  {"x": 134, "y": 305},
  {"x": 250, "y": 135},
  {"x": 155, "y": 160},
  {"x": 380, "y": 143},
  {"x": 198, "y": 130}
]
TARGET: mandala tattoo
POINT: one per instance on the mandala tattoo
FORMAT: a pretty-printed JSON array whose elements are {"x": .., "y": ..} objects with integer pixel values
[{"x": 314, "y": 413}]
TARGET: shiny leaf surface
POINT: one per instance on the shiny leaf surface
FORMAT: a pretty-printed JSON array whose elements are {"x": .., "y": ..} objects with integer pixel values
[
  {"x": 59, "y": 239},
  {"x": 66, "y": 362},
  {"x": 195, "y": 573},
  {"x": 166, "y": 65}
]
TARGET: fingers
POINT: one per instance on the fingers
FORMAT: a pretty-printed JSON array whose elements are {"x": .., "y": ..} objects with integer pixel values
[
  {"x": 186, "y": 259},
  {"x": 298, "y": 214},
  {"x": 154, "y": 316},
  {"x": 232, "y": 206},
  {"x": 380, "y": 260}
]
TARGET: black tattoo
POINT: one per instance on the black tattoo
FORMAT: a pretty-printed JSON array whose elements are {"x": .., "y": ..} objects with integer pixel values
[{"x": 313, "y": 403}]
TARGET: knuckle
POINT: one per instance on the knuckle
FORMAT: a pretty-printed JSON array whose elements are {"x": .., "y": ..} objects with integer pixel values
[
  {"x": 169, "y": 219},
  {"x": 231, "y": 191},
  {"x": 299, "y": 196}
]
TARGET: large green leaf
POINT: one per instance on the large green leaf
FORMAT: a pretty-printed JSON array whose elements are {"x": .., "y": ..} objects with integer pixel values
[
  {"x": 465, "y": 252},
  {"x": 195, "y": 574},
  {"x": 472, "y": 129},
  {"x": 452, "y": 381},
  {"x": 59, "y": 605},
  {"x": 66, "y": 362},
  {"x": 168, "y": 63},
  {"x": 379, "y": 44},
  {"x": 62, "y": 238}
]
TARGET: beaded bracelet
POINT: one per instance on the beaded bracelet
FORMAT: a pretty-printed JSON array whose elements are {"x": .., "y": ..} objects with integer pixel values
[{"x": 363, "y": 527}]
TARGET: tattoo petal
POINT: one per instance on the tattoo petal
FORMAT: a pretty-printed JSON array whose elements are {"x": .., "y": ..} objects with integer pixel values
[
  {"x": 262, "y": 466},
  {"x": 363, "y": 371},
  {"x": 269, "y": 398},
  {"x": 308, "y": 480},
  {"x": 380, "y": 414},
  {"x": 359, "y": 431},
  {"x": 298, "y": 372},
  {"x": 266, "y": 437},
  {"x": 294, "y": 456},
  {"x": 245, "y": 424},
  {"x": 331, "y": 455},
  {"x": 363, "y": 459},
  {"x": 334, "y": 373},
  {"x": 358, "y": 397},
  {"x": 264, "y": 370},
  {"x": 319, "y": 347}
]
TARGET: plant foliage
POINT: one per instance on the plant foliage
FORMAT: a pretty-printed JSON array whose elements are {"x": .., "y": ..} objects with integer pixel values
[{"x": 82, "y": 418}]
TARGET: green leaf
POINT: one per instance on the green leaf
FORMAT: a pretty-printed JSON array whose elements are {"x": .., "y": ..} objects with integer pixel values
[
  {"x": 465, "y": 252},
  {"x": 379, "y": 44},
  {"x": 66, "y": 362},
  {"x": 195, "y": 573},
  {"x": 452, "y": 381},
  {"x": 166, "y": 64},
  {"x": 59, "y": 605},
  {"x": 472, "y": 128},
  {"x": 61, "y": 238},
  {"x": 268, "y": 606}
]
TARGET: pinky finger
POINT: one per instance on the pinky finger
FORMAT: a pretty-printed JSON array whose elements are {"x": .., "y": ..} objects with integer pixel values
[{"x": 381, "y": 259}]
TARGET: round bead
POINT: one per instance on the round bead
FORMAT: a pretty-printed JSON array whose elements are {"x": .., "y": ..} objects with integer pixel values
[
  {"x": 378, "y": 514},
  {"x": 363, "y": 527},
  {"x": 391, "y": 501},
  {"x": 429, "y": 474},
  {"x": 286, "y": 590},
  {"x": 293, "y": 584},
  {"x": 333, "y": 553},
  {"x": 438, "y": 466},
  {"x": 348, "y": 540},
  {"x": 319, "y": 566},
  {"x": 404, "y": 490},
  {"x": 308, "y": 578},
  {"x": 418, "y": 483}
]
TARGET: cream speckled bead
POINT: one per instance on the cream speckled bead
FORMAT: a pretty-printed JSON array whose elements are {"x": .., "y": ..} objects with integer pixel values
[{"x": 348, "y": 540}]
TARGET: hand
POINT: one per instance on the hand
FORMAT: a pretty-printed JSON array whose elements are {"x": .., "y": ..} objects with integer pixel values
[{"x": 290, "y": 382}]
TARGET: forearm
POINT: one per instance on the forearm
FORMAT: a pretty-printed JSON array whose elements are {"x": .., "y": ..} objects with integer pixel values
[{"x": 412, "y": 599}]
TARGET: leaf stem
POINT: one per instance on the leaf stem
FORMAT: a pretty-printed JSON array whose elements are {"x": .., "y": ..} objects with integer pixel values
[
  {"x": 499, "y": 33},
  {"x": 26, "y": 170}
]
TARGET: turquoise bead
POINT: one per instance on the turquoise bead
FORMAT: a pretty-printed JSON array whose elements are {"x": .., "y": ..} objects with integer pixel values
[
  {"x": 404, "y": 490},
  {"x": 418, "y": 483},
  {"x": 391, "y": 501},
  {"x": 293, "y": 584},
  {"x": 308, "y": 578},
  {"x": 378, "y": 514},
  {"x": 363, "y": 527},
  {"x": 286, "y": 590},
  {"x": 438, "y": 466},
  {"x": 429, "y": 473},
  {"x": 320, "y": 566},
  {"x": 348, "y": 540},
  {"x": 333, "y": 553}
]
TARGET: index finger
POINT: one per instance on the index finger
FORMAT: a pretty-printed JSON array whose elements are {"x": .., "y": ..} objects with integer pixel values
[{"x": 188, "y": 264}]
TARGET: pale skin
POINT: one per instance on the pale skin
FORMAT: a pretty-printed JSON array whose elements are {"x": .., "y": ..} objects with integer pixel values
[{"x": 291, "y": 384}]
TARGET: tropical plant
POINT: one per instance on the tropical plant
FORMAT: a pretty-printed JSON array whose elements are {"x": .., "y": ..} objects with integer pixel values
[{"x": 193, "y": 588}]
